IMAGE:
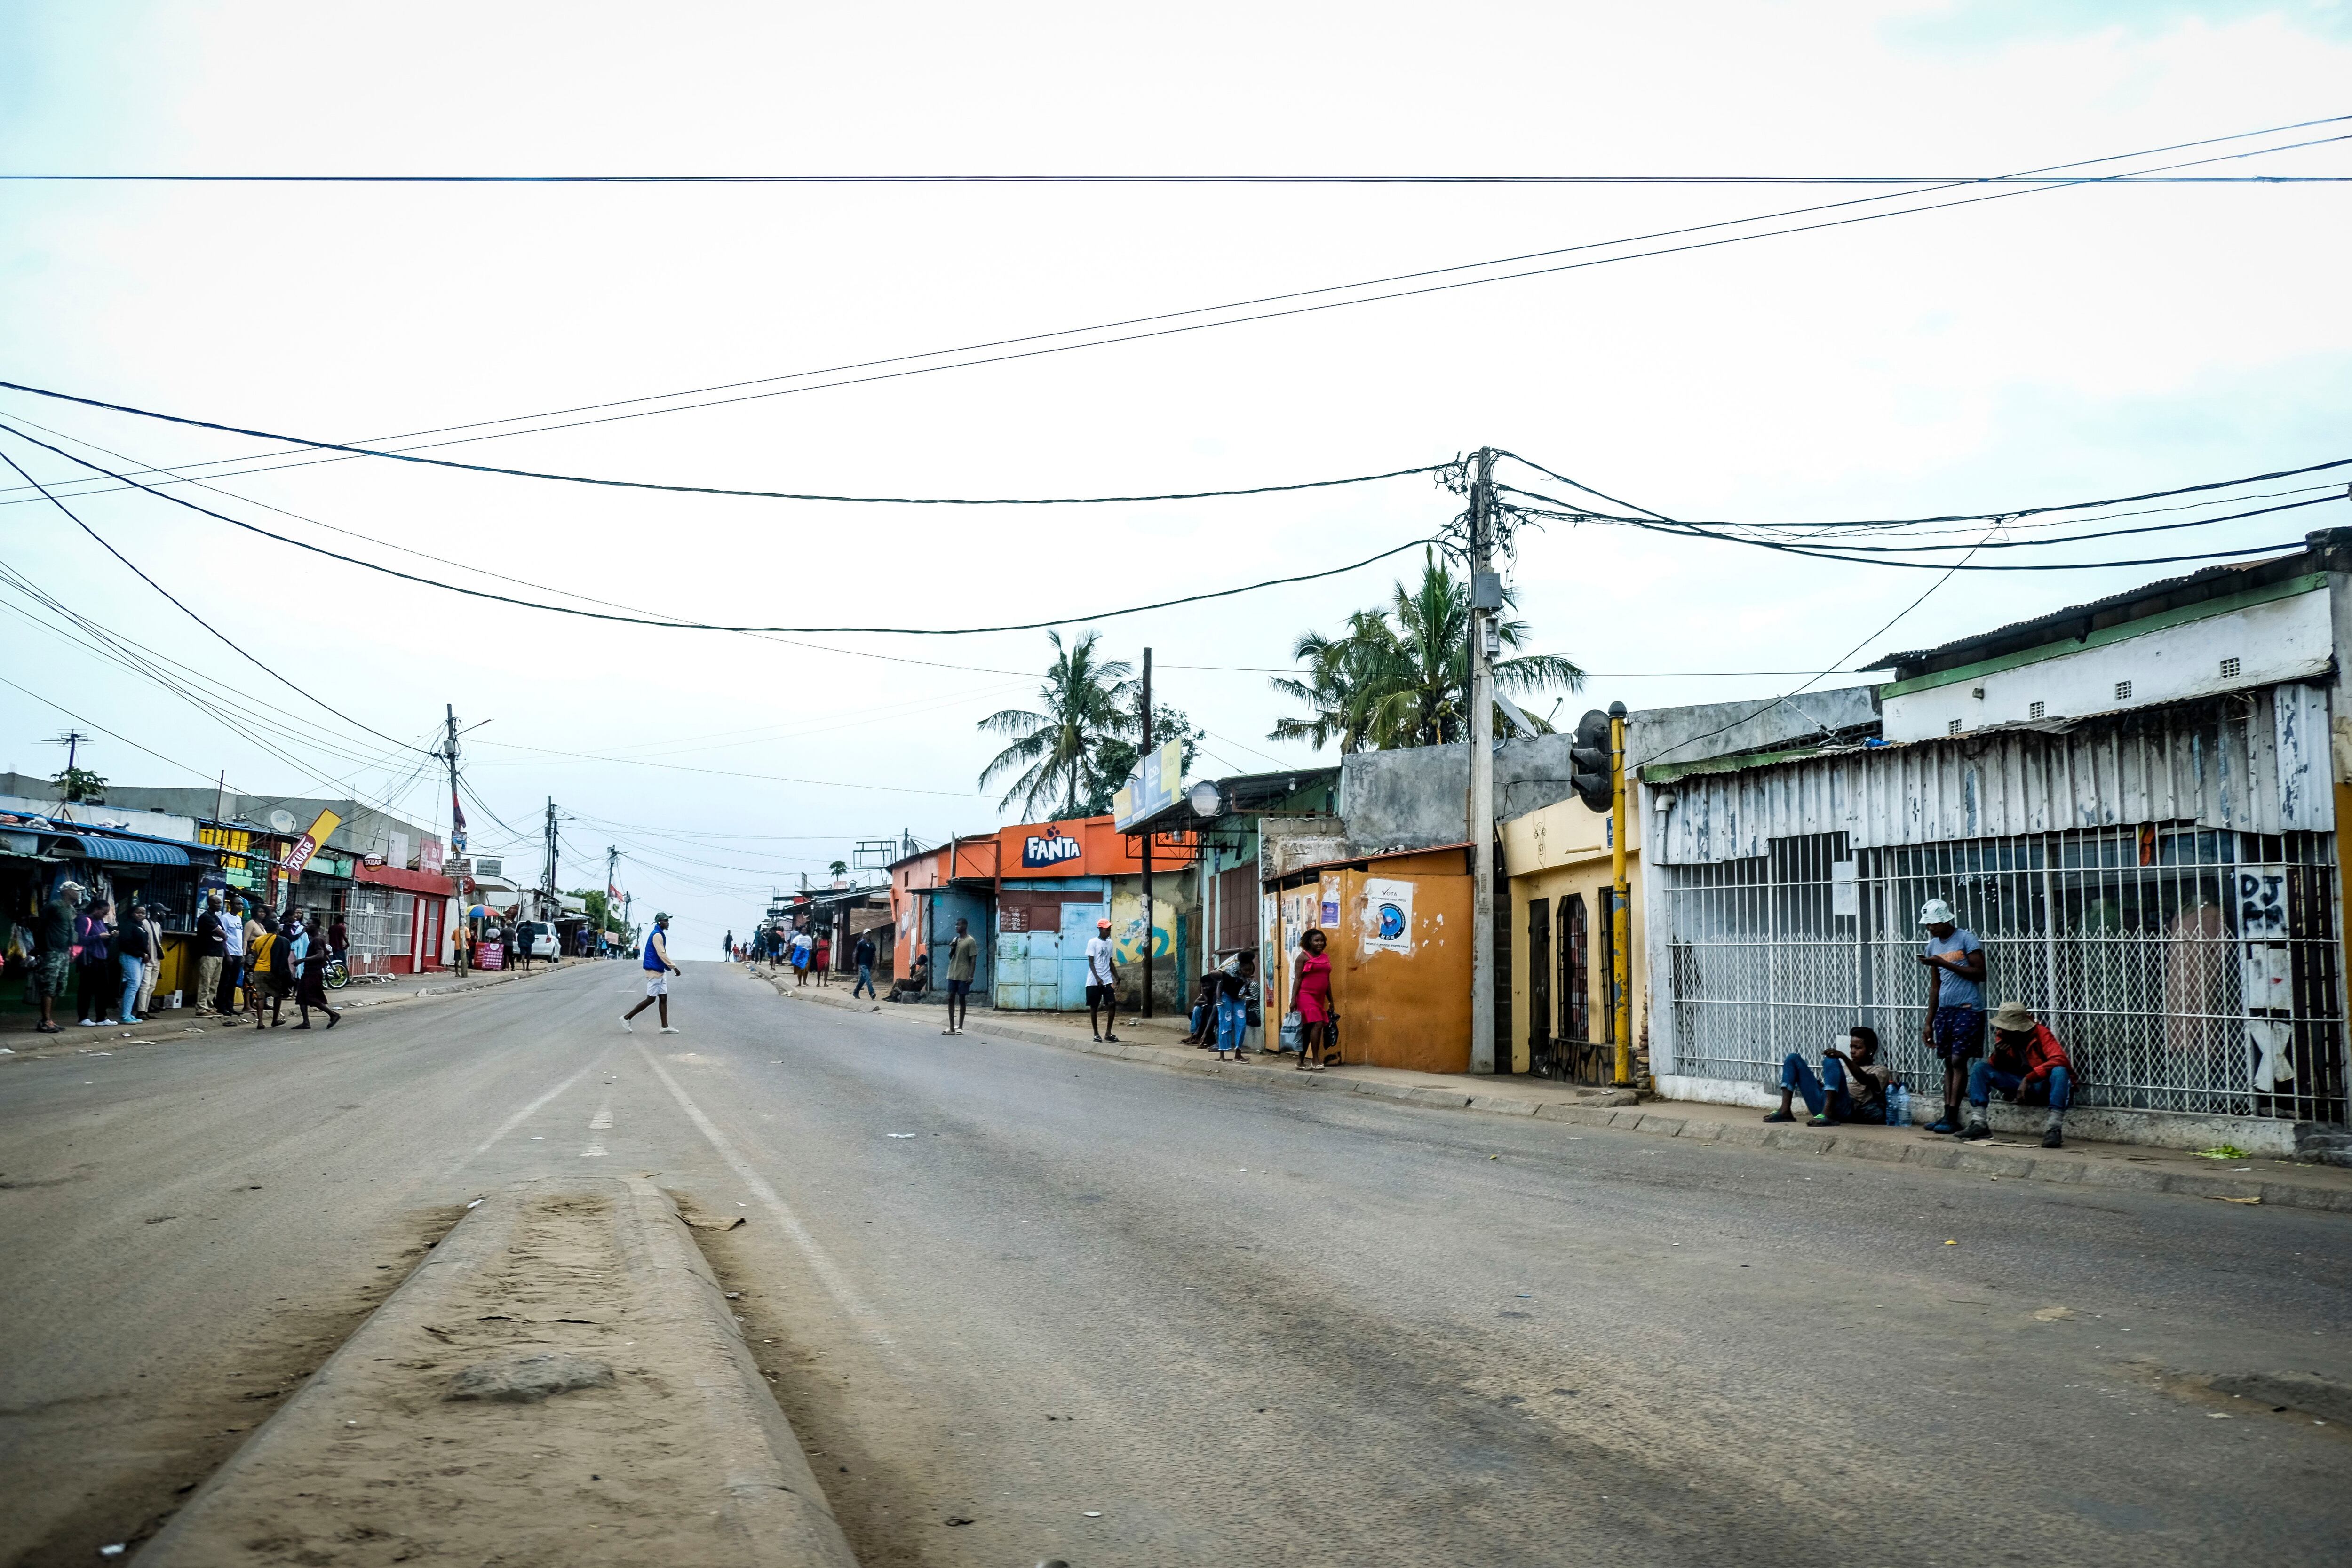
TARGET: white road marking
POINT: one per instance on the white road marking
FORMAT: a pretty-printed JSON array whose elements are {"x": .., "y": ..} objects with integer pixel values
[
  {"x": 593, "y": 1152},
  {"x": 828, "y": 1273},
  {"x": 602, "y": 1121},
  {"x": 520, "y": 1117}
]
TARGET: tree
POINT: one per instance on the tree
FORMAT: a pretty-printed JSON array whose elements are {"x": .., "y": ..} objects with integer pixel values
[
  {"x": 1399, "y": 675},
  {"x": 1087, "y": 701},
  {"x": 839, "y": 870},
  {"x": 1117, "y": 757},
  {"x": 604, "y": 909},
  {"x": 79, "y": 785}
]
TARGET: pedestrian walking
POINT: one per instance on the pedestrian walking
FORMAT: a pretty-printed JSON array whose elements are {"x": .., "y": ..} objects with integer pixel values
[
  {"x": 266, "y": 983},
  {"x": 130, "y": 958},
  {"x": 727, "y": 948},
  {"x": 801, "y": 946},
  {"x": 1233, "y": 982},
  {"x": 312, "y": 953},
  {"x": 53, "y": 961},
  {"x": 1954, "y": 1027},
  {"x": 98, "y": 979},
  {"x": 964, "y": 962},
  {"x": 1310, "y": 991},
  {"x": 658, "y": 969},
  {"x": 822, "y": 959},
  {"x": 1102, "y": 984},
  {"x": 211, "y": 953},
  {"x": 863, "y": 956}
]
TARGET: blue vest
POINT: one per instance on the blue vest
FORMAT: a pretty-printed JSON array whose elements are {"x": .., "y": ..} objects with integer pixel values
[{"x": 653, "y": 960}]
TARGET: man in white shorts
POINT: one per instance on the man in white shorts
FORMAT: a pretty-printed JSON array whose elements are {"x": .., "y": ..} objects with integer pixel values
[{"x": 658, "y": 969}]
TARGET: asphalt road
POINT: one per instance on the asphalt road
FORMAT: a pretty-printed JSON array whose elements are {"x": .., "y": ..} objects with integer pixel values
[{"x": 1121, "y": 1316}]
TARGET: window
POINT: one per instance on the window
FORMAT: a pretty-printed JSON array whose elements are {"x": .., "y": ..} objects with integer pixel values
[
  {"x": 2123, "y": 691},
  {"x": 2228, "y": 669},
  {"x": 2035, "y": 711},
  {"x": 1539, "y": 1035},
  {"x": 1954, "y": 728},
  {"x": 1575, "y": 977}
]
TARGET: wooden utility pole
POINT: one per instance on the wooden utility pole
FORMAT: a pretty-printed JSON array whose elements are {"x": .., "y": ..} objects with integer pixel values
[{"x": 1620, "y": 900}]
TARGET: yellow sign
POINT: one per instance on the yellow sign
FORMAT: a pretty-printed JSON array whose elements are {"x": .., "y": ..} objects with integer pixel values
[{"x": 321, "y": 831}]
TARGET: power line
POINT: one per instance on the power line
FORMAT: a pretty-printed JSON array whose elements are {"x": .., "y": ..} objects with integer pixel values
[
  {"x": 400, "y": 457},
  {"x": 1899, "y": 614},
  {"x": 2009, "y": 515},
  {"x": 183, "y": 609},
  {"x": 711, "y": 626},
  {"x": 1132, "y": 179},
  {"x": 501, "y": 576},
  {"x": 1273, "y": 298}
]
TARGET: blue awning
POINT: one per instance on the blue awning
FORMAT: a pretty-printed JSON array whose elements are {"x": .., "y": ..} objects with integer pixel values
[{"x": 124, "y": 851}]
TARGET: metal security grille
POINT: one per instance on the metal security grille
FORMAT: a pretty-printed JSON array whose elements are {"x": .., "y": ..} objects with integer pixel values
[
  {"x": 2188, "y": 970},
  {"x": 375, "y": 942}
]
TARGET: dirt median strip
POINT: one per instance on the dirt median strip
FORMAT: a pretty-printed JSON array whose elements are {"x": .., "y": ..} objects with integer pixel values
[{"x": 562, "y": 1382}]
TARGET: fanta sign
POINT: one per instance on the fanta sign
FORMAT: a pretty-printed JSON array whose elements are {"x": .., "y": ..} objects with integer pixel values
[{"x": 1039, "y": 850}]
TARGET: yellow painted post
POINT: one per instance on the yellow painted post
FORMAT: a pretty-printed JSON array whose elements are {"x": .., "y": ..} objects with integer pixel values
[{"x": 1620, "y": 914}]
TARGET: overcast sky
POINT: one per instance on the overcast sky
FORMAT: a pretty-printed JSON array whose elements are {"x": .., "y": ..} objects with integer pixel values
[{"x": 2066, "y": 344}]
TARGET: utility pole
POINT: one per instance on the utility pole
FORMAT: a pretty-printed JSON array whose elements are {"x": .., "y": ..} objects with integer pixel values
[
  {"x": 449, "y": 755},
  {"x": 549, "y": 910},
  {"x": 1620, "y": 900},
  {"x": 1142, "y": 774},
  {"x": 612, "y": 876},
  {"x": 1486, "y": 601}
]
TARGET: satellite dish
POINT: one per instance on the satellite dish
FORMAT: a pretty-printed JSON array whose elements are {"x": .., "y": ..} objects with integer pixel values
[{"x": 282, "y": 820}]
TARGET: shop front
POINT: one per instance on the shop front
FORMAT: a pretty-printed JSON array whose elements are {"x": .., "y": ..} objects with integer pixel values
[
  {"x": 396, "y": 919},
  {"x": 1398, "y": 932}
]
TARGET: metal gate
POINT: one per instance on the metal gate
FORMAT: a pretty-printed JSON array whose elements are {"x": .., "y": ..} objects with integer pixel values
[{"x": 2188, "y": 969}]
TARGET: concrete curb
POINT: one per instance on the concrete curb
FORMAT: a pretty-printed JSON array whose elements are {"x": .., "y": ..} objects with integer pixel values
[
  {"x": 1605, "y": 1109},
  {"x": 784, "y": 1518}
]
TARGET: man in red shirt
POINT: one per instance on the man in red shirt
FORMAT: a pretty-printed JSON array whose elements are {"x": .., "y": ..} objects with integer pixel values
[{"x": 2028, "y": 1066}]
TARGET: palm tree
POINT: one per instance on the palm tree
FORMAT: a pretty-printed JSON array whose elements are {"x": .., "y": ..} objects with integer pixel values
[
  {"x": 839, "y": 870},
  {"x": 1086, "y": 700},
  {"x": 1400, "y": 676}
]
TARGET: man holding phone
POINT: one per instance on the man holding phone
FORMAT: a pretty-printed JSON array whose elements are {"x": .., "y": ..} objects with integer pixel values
[
  {"x": 1954, "y": 1027},
  {"x": 1852, "y": 1087}
]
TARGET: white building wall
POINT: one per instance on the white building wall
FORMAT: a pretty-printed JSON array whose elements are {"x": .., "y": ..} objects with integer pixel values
[{"x": 2282, "y": 639}]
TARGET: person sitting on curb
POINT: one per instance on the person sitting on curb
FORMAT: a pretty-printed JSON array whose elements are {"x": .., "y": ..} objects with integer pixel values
[
  {"x": 2029, "y": 1066},
  {"x": 1853, "y": 1086}
]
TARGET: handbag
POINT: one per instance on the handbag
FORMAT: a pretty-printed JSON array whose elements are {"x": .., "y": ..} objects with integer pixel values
[{"x": 1291, "y": 1032}]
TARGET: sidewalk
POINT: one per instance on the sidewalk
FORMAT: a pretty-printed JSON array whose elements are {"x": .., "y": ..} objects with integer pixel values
[
  {"x": 21, "y": 1040},
  {"x": 1154, "y": 1043}
]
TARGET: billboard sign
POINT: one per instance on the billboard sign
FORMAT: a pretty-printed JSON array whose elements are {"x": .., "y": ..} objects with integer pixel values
[
  {"x": 308, "y": 846},
  {"x": 1151, "y": 787}
]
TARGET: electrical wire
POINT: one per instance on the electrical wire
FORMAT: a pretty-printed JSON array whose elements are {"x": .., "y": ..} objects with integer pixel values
[
  {"x": 1298, "y": 294},
  {"x": 711, "y": 626},
  {"x": 500, "y": 576},
  {"x": 1132, "y": 179},
  {"x": 1882, "y": 631},
  {"x": 410, "y": 456},
  {"x": 181, "y": 606}
]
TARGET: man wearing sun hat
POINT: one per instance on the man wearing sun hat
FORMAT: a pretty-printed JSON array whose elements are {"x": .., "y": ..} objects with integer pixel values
[
  {"x": 1102, "y": 984},
  {"x": 1954, "y": 1027},
  {"x": 2028, "y": 1066}
]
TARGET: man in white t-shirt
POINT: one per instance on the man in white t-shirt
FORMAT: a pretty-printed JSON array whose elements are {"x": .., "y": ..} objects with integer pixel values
[{"x": 1102, "y": 984}]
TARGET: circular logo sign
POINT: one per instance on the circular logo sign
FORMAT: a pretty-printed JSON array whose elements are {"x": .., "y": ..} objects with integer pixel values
[{"x": 1392, "y": 922}]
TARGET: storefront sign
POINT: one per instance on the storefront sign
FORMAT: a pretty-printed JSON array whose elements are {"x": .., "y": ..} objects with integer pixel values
[
  {"x": 428, "y": 855},
  {"x": 1052, "y": 847},
  {"x": 490, "y": 955},
  {"x": 321, "y": 831}
]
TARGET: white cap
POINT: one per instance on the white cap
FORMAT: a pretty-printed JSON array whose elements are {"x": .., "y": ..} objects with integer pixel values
[{"x": 1936, "y": 912}]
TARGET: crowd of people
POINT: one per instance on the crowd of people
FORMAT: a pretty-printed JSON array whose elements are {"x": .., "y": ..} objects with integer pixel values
[{"x": 110, "y": 963}]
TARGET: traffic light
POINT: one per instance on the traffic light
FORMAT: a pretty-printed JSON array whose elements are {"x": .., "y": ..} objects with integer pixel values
[{"x": 1591, "y": 766}]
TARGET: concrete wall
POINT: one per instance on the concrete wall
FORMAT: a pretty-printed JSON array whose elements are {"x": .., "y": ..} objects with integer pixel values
[{"x": 1719, "y": 729}]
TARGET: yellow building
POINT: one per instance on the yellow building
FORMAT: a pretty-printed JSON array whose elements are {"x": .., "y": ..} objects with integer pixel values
[{"x": 1563, "y": 1013}]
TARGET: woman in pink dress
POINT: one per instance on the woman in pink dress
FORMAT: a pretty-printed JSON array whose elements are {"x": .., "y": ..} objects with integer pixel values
[{"x": 1311, "y": 989}]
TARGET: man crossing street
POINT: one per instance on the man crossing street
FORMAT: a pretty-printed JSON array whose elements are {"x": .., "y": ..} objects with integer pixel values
[{"x": 658, "y": 969}]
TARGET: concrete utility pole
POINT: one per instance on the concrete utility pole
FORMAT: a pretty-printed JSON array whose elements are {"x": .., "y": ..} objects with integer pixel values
[
  {"x": 1142, "y": 774},
  {"x": 449, "y": 755},
  {"x": 1486, "y": 600},
  {"x": 1620, "y": 899},
  {"x": 612, "y": 879},
  {"x": 549, "y": 880}
]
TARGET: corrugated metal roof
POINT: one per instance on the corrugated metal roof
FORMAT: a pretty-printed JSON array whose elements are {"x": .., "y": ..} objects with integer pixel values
[
  {"x": 128, "y": 851},
  {"x": 2257, "y": 763}
]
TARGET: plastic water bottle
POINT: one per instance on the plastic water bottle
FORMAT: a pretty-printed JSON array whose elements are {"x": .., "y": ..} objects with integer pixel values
[{"x": 1898, "y": 1106}]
